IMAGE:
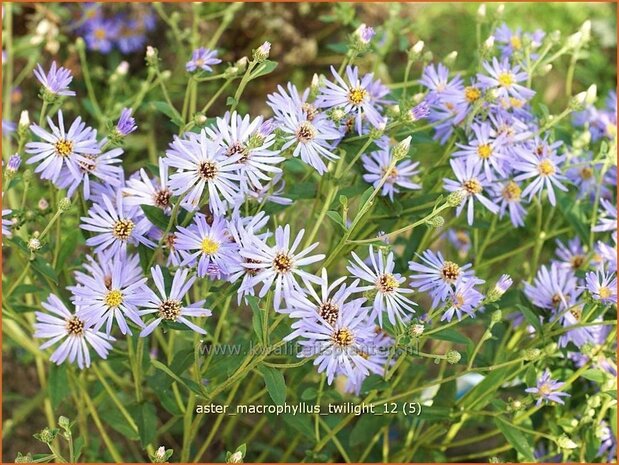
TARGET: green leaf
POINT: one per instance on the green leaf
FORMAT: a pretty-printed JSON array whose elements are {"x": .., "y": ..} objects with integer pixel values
[
  {"x": 597, "y": 376},
  {"x": 257, "y": 317},
  {"x": 366, "y": 428},
  {"x": 68, "y": 246},
  {"x": 531, "y": 318},
  {"x": 78, "y": 445},
  {"x": 301, "y": 422},
  {"x": 57, "y": 384},
  {"x": 189, "y": 384},
  {"x": 516, "y": 438},
  {"x": 309, "y": 394},
  {"x": 275, "y": 384},
  {"x": 45, "y": 269},
  {"x": 264, "y": 68},
  {"x": 170, "y": 112},
  {"x": 337, "y": 219},
  {"x": 156, "y": 216},
  {"x": 573, "y": 213},
  {"x": 146, "y": 419},
  {"x": 452, "y": 335}
]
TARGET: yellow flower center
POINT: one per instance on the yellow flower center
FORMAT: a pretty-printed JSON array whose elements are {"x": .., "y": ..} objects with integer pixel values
[
  {"x": 516, "y": 42},
  {"x": 506, "y": 79},
  {"x": 516, "y": 102},
  {"x": 484, "y": 151},
  {"x": 100, "y": 33},
  {"x": 511, "y": 191},
  {"x": 387, "y": 283},
  {"x": 343, "y": 337},
  {"x": 471, "y": 94},
  {"x": 472, "y": 186},
  {"x": 546, "y": 168},
  {"x": 113, "y": 298},
  {"x": 63, "y": 148},
  {"x": 545, "y": 389},
  {"x": 209, "y": 246},
  {"x": 604, "y": 292},
  {"x": 586, "y": 173},
  {"x": 122, "y": 229},
  {"x": 357, "y": 95},
  {"x": 458, "y": 300}
]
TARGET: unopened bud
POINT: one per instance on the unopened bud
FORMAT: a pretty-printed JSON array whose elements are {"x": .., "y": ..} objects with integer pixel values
[
  {"x": 237, "y": 457},
  {"x": 24, "y": 458},
  {"x": 64, "y": 204},
  {"x": 122, "y": 69},
  {"x": 24, "y": 119},
  {"x": 43, "y": 204},
  {"x": 415, "y": 52},
  {"x": 401, "y": 149},
  {"x": 564, "y": 442},
  {"x": 591, "y": 94},
  {"x": 500, "y": 10},
  {"x": 544, "y": 70},
  {"x": 489, "y": 43},
  {"x": 450, "y": 59},
  {"x": 532, "y": 354},
  {"x": 453, "y": 357},
  {"x": 436, "y": 221},
  {"x": 455, "y": 198},
  {"x": 241, "y": 64},
  {"x": 34, "y": 244},
  {"x": 481, "y": 11},
  {"x": 152, "y": 56},
  {"x": 364, "y": 34},
  {"x": 262, "y": 53},
  {"x": 416, "y": 329},
  {"x": 496, "y": 317}
]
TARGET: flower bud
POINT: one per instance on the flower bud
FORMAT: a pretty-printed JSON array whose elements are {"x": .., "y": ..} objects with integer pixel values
[
  {"x": 237, "y": 457},
  {"x": 24, "y": 119},
  {"x": 199, "y": 119},
  {"x": 532, "y": 354},
  {"x": 364, "y": 34},
  {"x": 564, "y": 442},
  {"x": 577, "y": 102},
  {"x": 416, "y": 329},
  {"x": 544, "y": 70},
  {"x": 415, "y": 52},
  {"x": 241, "y": 64},
  {"x": 262, "y": 53},
  {"x": 489, "y": 43},
  {"x": 496, "y": 316},
  {"x": 43, "y": 204},
  {"x": 436, "y": 222},
  {"x": 419, "y": 111},
  {"x": 152, "y": 58},
  {"x": 122, "y": 69},
  {"x": 64, "y": 204},
  {"x": 455, "y": 198},
  {"x": 591, "y": 94},
  {"x": 64, "y": 422},
  {"x": 481, "y": 11},
  {"x": 13, "y": 165},
  {"x": 450, "y": 59},
  {"x": 500, "y": 10},
  {"x": 401, "y": 149},
  {"x": 24, "y": 458},
  {"x": 46, "y": 435},
  {"x": 453, "y": 357},
  {"x": 34, "y": 244}
]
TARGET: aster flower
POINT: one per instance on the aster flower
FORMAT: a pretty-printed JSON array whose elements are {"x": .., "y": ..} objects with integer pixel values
[
  {"x": 582, "y": 173},
  {"x": 271, "y": 192},
  {"x": 142, "y": 190},
  {"x": 13, "y": 164},
  {"x": 376, "y": 165},
  {"x": 438, "y": 276},
  {"x": 579, "y": 336},
  {"x": 484, "y": 150},
  {"x": 505, "y": 77},
  {"x": 603, "y": 286},
  {"x": 607, "y": 218},
  {"x": 544, "y": 173},
  {"x": 103, "y": 166},
  {"x": 126, "y": 123},
  {"x": 462, "y": 298},
  {"x": 169, "y": 305},
  {"x": 547, "y": 389},
  {"x": 340, "y": 348},
  {"x": 507, "y": 195},
  {"x": 364, "y": 34},
  {"x": 313, "y": 139},
  {"x": 110, "y": 291},
  {"x": 508, "y": 40},
  {"x": 202, "y": 164},
  {"x": 461, "y": 240},
  {"x": 280, "y": 264},
  {"x": 202, "y": 59},
  {"x": 471, "y": 182},
  {"x": 251, "y": 140},
  {"x": 353, "y": 95},
  {"x": 6, "y": 223},
  {"x": 385, "y": 285},
  {"x": 62, "y": 148},
  {"x": 101, "y": 33},
  {"x": 77, "y": 336},
  {"x": 308, "y": 304},
  {"x": 56, "y": 81},
  {"x": 115, "y": 225},
  {"x": 607, "y": 255},
  {"x": 436, "y": 79},
  {"x": 207, "y": 244},
  {"x": 377, "y": 354},
  {"x": 290, "y": 100},
  {"x": 572, "y": 255},
  {"x": 554, "y": 288}
]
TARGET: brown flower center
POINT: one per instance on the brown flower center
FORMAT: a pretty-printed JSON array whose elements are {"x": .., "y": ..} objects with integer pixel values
[
  {"x": 282, "y": 263},
  {"x": 162, "y": 198},
  {"x": 472, "y": 186},
  {"x": 207, "y": 170},
  {"x": 306, "y": 132},
  {"x": 329, "y": 311},
  {"x": 387, "y": 283},
  {"x": 75, "y": 326},
  {"x": 343, "y": 337},
  {"x": 170, "y": 309},
  {"x": 511, "y": 191},
  {"x": 450, "y": 271}
]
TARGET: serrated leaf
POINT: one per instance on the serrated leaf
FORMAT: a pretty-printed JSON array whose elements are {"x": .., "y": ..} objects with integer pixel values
[{"x": 275, "y": 384}]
